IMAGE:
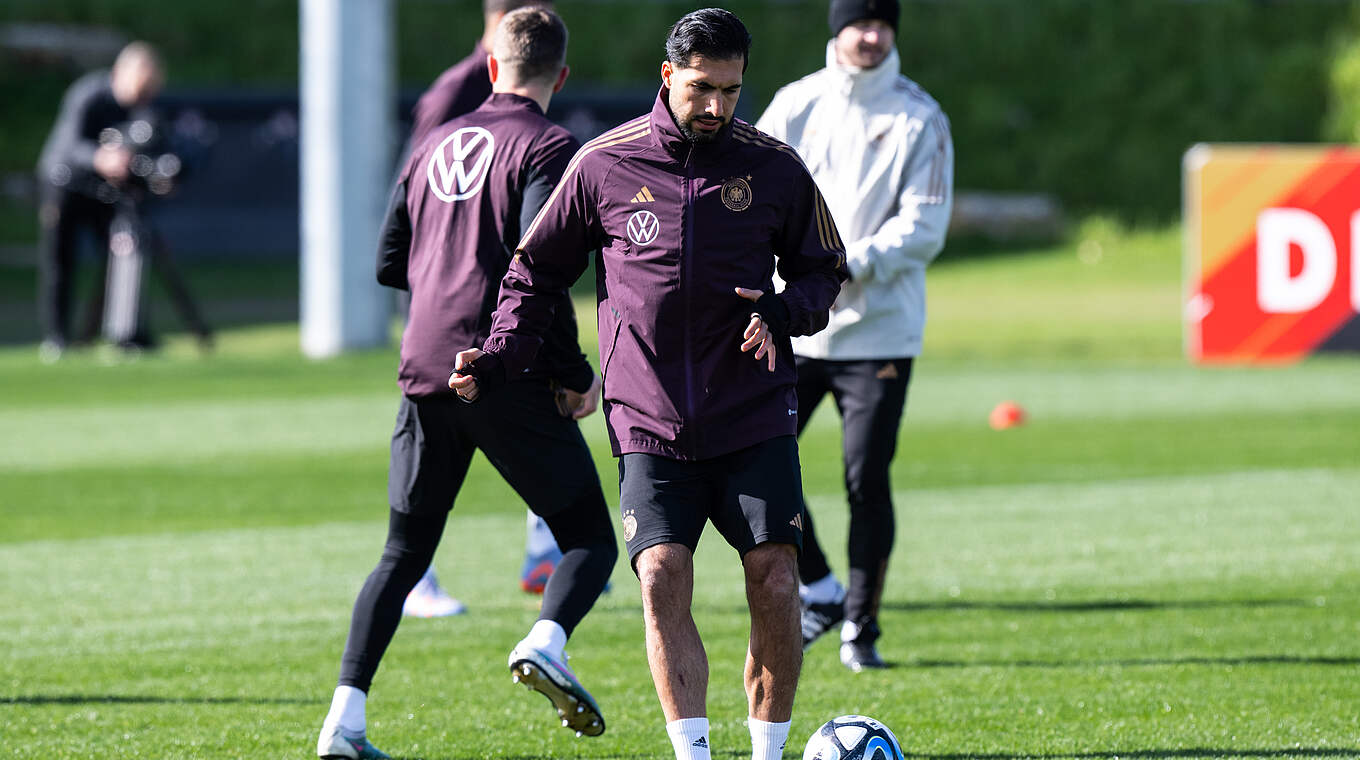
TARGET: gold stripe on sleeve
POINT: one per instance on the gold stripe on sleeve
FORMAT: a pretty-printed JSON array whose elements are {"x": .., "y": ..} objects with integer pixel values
[
  {"x": 619, "y": 136},
  {"x": 826, "y": 226}
]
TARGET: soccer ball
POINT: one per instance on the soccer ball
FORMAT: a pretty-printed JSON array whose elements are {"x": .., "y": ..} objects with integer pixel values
[{"x": 853, "y": 737}]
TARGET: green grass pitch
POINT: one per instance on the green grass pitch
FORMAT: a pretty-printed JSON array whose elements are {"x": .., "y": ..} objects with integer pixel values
[{"x": 1163, "y": 563}]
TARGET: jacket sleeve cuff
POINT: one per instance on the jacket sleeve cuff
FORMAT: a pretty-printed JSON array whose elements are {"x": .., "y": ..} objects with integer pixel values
[
  {"x": 774, "y": 313},
  {"x": 578, "y": 379},
  {"x": 488, "y": 370}
]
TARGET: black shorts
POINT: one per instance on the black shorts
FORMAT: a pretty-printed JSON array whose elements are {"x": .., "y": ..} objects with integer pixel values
[
  {"x": 753, "y": 496},
  {"x": 540, "y": 453}
]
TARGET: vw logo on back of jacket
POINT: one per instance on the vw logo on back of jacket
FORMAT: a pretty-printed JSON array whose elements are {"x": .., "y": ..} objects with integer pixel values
[{"x": 459, "y": 166}]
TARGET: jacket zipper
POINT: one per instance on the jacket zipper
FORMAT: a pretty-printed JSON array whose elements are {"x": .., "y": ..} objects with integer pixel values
[{"x": 687, "y": 251}]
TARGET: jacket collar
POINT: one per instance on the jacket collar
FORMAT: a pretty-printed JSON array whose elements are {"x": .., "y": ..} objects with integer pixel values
[
  {"x": 863, "y": 82},
  {"x": 509, "y": 101},
  {"x": 668, "y": 136}
]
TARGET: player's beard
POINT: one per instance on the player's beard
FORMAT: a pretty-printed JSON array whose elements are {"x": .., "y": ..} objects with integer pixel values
[{"x": 694, "y": 136}]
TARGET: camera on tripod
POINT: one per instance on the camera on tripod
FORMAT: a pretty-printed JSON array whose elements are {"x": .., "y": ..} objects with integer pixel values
[
  {"x": 153, "y": 170},
  {"x": 153, "y": 167}
]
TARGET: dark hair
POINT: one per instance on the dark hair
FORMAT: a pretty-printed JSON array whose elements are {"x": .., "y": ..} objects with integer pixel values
[
  {"x": 711, "y": 33},
  {"x": 531, "y": 43},
  {"x": 505, "y": 6}
]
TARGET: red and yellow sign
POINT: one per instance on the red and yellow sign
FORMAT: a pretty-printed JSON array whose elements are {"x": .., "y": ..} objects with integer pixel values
[{"x": 1272, "y": 251}]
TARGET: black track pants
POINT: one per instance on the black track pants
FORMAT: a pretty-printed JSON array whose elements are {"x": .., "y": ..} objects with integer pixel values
[
  {"x": 540, "y": 454},
  {"x": 870, "y": 396}
]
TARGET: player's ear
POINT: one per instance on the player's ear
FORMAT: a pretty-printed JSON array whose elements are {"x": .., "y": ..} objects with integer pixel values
[
  {"x": 666, "y": 71},
  {"x": 493, "y": 67},
  {"x": 561, "y": 79}
]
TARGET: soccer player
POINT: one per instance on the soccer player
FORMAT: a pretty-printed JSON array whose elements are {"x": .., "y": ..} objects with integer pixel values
[
  {"x": 880, "y": 148},
  {"x": 692, "y": 212},
  {"x": 458, "y": 90},
  {"x": 458, "y": 205}
]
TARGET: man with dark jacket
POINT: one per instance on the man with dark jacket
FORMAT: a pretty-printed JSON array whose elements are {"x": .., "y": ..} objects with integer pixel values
[
  {"x": 459, "y": 90},
  {"x": 79, "y": 179},
  {"x": 692, "y": 212},
  {"x": 457, "y": 207}
]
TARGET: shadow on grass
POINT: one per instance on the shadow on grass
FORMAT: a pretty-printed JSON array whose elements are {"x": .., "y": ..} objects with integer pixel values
[
  {"x": 1144, "y": 753},
  {"x": 138, "y": 699},
  {"x": 1155, "y": 753},
  {"x": 631, "y": 756},
  {"x": 1278, "y": 659},
  {"x": 1097, "y": 605}
]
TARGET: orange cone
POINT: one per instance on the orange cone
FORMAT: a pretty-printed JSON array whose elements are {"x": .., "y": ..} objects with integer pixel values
[{"x": 1006, "y": 414}]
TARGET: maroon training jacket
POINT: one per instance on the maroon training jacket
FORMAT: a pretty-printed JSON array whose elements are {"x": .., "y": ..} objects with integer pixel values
[
  {"x": 679, "y": 226},
  {"x": 455, "y": 214}
]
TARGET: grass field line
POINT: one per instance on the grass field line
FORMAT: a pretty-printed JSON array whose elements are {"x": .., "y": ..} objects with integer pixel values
[
  {"x": 1119, "y": 491},
  {"x": 1046, "y": 535},
  {"x": 50, "y": 438},
  {"x": 45, "y": 437},
  {"x": 1120, "y": 535},
  {"x": 1331, "y": 491},
  {"x": 949, "y": 392}
]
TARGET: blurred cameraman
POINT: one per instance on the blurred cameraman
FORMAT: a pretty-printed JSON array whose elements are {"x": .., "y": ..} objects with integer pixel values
[{"x": 80, "y": 180}]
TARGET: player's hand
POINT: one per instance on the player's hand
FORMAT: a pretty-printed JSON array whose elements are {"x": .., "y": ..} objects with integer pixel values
[
  {"x": 583, "y": 405},
  {"x": 757, "y": 334},
  {"x": 465, "y": 385},
  {"x": 112, "y": 162}
]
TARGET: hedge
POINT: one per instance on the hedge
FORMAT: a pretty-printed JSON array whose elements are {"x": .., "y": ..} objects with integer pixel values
[{"x": 1091, "y": 100}]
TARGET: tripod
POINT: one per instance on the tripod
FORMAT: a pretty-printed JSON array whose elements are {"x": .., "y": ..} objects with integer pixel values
[{"x": 134, "y": 246}]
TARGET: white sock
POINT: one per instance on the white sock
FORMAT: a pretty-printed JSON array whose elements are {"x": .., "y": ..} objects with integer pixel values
[
  {"x": 826, "y": 590},
  {"x": 538, "y": 537},
  {"x": 767, "y": 739},
  {"x": 849, "y": 631},
  {"x": 548, "y": 636},
  {"x": 689, "y": 737},
  {"x": 347, "y": 710}
]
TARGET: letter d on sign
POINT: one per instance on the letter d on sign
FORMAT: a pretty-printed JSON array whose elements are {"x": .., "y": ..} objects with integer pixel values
[
  {"x": 1277, "y": 291},
  {"x": 1355, "y": 261}
]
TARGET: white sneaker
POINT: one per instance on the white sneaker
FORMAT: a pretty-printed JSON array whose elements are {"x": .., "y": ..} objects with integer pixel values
[
  {"x": 552, "y": 678},
  {"x": 50, "y": 351},
  {"x": 333, "y": 744},
  {"x": 428, "y": 600}
]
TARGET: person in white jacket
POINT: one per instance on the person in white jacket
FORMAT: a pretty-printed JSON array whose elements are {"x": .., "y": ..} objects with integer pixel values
[{"x": 879, "y": 148}]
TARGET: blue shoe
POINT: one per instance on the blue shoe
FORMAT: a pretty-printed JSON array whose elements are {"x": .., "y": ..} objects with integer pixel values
[
  {"x": 552, "y": 678},
  {"x": 333, "y": 744},
  {"x": 533, "y": 577}
]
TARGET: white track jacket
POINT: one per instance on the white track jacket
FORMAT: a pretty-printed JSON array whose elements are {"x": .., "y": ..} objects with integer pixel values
[{"x": 879, "y": 148}]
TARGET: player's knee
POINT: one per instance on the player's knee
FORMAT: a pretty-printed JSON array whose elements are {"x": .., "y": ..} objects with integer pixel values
[
  {"x": 401, "y": 556},
  {"x": 869, "y": 496},
  {"x": 771, "y": 573},
  {"x": 584, "y": 527},
  {"x": 603, "y": 551},
  {"x": 665, "y": 571}
]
